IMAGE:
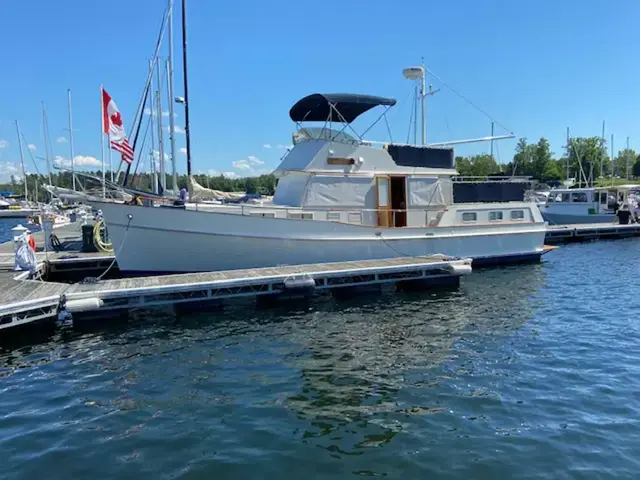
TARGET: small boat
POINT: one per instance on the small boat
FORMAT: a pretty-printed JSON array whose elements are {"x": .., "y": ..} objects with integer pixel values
[
  {"x": 566, "y": 206},
  {"x": 9, "y": 209}
]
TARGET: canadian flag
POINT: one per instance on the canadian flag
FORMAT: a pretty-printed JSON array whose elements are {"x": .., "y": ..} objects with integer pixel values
[{"x": 112, "y": 125}]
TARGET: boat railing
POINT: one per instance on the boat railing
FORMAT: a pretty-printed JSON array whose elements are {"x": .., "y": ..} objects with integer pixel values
[{"x": 491, "y": 178}]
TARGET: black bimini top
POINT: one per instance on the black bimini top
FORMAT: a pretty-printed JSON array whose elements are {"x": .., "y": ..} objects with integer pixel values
[{"x": 317, "y": 107}]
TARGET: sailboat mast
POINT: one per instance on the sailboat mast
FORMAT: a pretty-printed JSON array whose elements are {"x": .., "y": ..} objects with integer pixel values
[
  {"x": 172, "y": 139},
  {"x": 186, "y": 83},
  {"x": 24, "y": 173},
  {"x": 45, "y": 130},
  {"x": 73, "y": 173},
  {"x": 154, "y": 177},
  {"x": 163, "y": 177},
  {"x": 423, "y": 94}
]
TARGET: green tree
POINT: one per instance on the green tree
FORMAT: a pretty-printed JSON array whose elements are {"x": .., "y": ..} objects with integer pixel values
[
  {"x": 541, "y": 161},
  {"x": 463, "y": 166},
  {"x": 585, "y": 156},
  {"x": 636, "y": 168},
  {"x": 483, "y": 165},
  {"x": 620, "y": 162}
]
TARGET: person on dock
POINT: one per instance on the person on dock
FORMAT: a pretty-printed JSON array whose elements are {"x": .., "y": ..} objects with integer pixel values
[{"x": 624, "y": 215}]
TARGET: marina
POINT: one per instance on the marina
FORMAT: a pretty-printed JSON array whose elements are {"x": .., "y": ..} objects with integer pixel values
[{"x": 280, "y": 263}]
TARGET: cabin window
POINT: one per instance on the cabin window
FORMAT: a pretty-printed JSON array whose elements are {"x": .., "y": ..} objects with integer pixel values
[
  {"x": 551, "y": 199},
  {"x": 564, "y": 198},
  {"x": 579, "y": 197},
  {"x": 603, "y": 198},
  {"x": 333, "y": 216},
  {"x": 495, "y": 216},
  {"x": 517, "y": 214},
  {"x": 469, "y": 217},
  {"x": 300, "y": 216},
  {"x": 354, "y": 217}
]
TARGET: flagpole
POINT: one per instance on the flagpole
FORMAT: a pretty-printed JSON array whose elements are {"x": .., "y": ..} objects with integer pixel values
[
  {"x": 104, "y": 186},
  {"x": 110, "y": 156}
]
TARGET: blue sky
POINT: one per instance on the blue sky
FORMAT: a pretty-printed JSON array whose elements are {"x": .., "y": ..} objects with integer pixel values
[{"x": 535, "y": 66}]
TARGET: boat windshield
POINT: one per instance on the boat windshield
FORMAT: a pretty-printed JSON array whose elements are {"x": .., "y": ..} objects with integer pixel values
[{"x": 322, "y": 133}]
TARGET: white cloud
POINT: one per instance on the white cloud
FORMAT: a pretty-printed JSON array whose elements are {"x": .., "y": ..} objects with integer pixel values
[
  {"x": 284, "y": 146},
  {"x": 267, "y": 145},
  {"x": 255, "y": 160},
  {"x": 7, "y": 169},
  {"x": 156, "y": 156},
  {"x": 78, "y": 161},
  {"x": 183, "y": 151},
  {"x": 31, "y": 147},
  {"x": 230, "y": 174},
  {"x": 178, "y": 129},
  {"x": 165, "y": 114},
  {"x": 213, "y": 173},
  {"x": 242, "y": 165},
  {"x": 4, "y": 144},
  {"x": 61, "y": 140}
]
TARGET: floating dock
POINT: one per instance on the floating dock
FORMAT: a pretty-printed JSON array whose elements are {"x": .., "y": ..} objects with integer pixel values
[
  {"x": 26, "y": 301},
  {"x": 590, "y": 231}
]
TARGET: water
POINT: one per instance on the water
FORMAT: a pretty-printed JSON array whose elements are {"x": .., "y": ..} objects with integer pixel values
[{"x": 524, "y": 372}]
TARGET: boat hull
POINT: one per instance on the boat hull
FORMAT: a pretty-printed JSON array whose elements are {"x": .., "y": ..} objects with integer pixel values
[
  {"x": 175, "y": 240},
  {"x": 568, "y": 219},
  {"x": 23, "y": 213}
]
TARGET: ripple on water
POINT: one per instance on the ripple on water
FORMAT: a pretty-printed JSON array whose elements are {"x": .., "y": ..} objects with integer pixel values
[{"x": 524, "y": 372}]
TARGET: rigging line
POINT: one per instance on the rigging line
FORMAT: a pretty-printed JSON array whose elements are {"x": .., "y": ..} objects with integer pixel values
[
  {"x": 374, "y": 123},
  {"x": 411, "y": 120},
  {"x": 141, "y": 150},
  {"x": 24, "y": 140},
  {"x": 388, "y": 128},
  {"x": 470, "y": 102}
]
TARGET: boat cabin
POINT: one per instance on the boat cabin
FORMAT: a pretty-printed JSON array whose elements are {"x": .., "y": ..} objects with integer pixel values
[
  {"x": 331, "y": 174},
  {"x": 591, "y": 201}
]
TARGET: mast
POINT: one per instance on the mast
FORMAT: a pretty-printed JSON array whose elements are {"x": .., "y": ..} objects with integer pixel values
[
  {"x": 73, "y": 173},
  {"x": 186, "y": 89},
  {"x": 613, "y": 164},
  {"x": 626, "y": 156},
  {"x": 104, "y": 185},
  {"x": 172, "y": 139},
  {"x": 46, "y": 142},
  {"x": 601, "y": 154},
  {"x": 154, "y": 177},
  {"x": 491, "y": 139},
  {"x": 415, "y": 116},
  {"x": 423, "y": 94},
  {"x": 163, "y": 178},
  {"x": 568, "y": 152},
  {"x": 24, "y": 173}
]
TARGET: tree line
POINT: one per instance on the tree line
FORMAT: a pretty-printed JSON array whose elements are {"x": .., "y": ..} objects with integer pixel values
[{"x": 587, "y": 161}]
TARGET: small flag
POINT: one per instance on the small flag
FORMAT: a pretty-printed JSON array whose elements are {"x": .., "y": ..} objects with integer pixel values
[{"x": 112, "y": 126}]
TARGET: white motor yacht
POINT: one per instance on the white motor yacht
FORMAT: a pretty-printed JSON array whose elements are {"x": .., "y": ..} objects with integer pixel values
[{"x": 338, "y": 198}]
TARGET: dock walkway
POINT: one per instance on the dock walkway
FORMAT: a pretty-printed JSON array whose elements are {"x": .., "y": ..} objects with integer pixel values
[{"x": 25, "y": 301}]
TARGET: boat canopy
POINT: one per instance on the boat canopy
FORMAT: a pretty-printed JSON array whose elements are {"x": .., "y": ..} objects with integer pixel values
[{"x": 337, "y": 107}]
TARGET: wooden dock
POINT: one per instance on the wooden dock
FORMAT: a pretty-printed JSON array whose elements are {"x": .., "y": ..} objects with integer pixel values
[
  {"x": 589, "y": 231},
  {"x": 27, "y": 301}
]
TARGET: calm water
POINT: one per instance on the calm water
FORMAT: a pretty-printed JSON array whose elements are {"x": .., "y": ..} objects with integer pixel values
[{"x": 524, "y": 372}]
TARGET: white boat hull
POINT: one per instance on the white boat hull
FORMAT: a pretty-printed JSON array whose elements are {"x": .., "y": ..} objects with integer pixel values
[
  {"x": 21, "y": 213},
  {"x": 571, "y": 219},
  {"x": 176, "y": 240}
]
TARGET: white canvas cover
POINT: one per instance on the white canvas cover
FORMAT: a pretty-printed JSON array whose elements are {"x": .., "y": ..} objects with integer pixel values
[
  {"x": 425, "y": 191},
  {"x": 290, "y": 191},
  {"x": 338, "y": 191}
]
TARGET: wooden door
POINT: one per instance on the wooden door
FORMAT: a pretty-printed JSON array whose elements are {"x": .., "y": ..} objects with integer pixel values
[{"x": 383, "y": 198}]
